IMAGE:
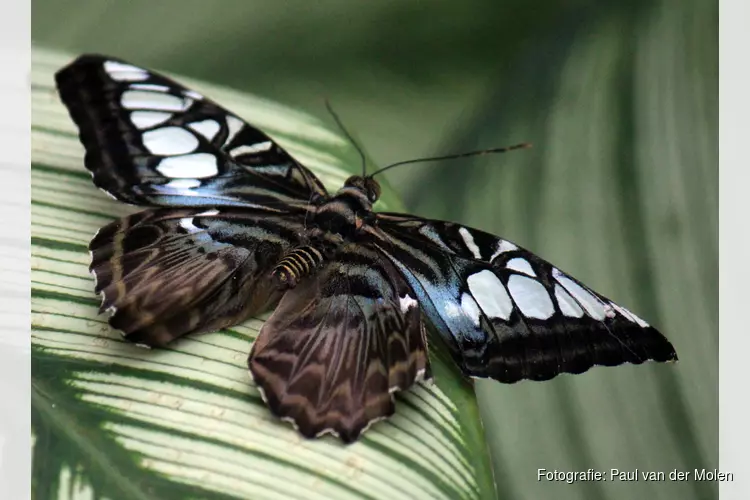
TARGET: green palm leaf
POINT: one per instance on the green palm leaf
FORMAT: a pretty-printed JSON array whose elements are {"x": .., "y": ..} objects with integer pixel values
[{"x": 111, "y": 420}]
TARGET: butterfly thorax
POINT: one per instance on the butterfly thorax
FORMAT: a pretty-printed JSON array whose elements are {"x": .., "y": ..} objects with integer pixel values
[
  {"x": 348, "y": 210},
  {"x": 343, "y": 215}
]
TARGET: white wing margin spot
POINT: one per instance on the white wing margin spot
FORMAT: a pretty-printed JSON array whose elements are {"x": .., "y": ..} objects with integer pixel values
[
  {"x": 502, "y": 247},
  {"x": 245, "y": 149},
  {"x": 568, "y": 306},
  {"x": 207, "y": 128},
  {"x": 590, "y": 303},
  {"x": 629, "y": 315},
  {"x": 407, "y": 302},
  {"x": 521, "y": 265},
  {"x": 122, "y": 72},
  {"x": 470, "y": 243}
]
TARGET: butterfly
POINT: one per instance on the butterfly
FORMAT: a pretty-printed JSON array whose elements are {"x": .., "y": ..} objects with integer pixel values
[{"x": 235, "y": 226}]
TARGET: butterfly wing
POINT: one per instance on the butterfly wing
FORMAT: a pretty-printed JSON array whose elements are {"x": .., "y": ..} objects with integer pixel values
[
  {"x": 506, "y": 313},
  {"x": 163, "y": 273},
  {"x": 151, "y": 141},
  {"x": 339, "y": 344}
]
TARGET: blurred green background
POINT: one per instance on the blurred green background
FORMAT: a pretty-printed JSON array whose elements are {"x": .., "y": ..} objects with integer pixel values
[{"x": 619, "y": 98}]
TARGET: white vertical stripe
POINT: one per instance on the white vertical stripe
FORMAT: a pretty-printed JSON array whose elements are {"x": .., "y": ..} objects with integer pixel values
[{"x": 469, "y": 240}]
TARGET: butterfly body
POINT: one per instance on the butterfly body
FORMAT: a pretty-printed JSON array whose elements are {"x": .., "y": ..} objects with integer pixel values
[
  {"x": 296, "y": 265},
  {"x": 235, "y": 226}
]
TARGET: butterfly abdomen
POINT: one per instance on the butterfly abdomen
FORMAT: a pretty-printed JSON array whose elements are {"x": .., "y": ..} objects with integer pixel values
[{"x": 295, "y": 265}]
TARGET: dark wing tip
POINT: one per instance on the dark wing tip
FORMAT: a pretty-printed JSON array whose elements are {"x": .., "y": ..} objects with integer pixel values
[
  {"x": 514, "y": 360},
  {"x": 68, "y": 75},
  {"x": 87, "y": 59},
  {"x": 82, "y": 87}
]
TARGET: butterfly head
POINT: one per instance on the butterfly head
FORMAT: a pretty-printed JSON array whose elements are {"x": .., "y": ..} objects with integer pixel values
[{"x": 366, "y": 185}]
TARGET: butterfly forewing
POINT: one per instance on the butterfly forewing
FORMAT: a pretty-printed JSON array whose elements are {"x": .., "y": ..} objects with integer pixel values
[
  {"x": 151, "y": 141},
  {"x": 506, "y": 313}
]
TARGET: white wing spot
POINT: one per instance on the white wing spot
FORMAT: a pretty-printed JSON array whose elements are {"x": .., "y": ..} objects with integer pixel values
[
  {"x": 148, "y": 119},
  {"x": 149, "y": 86},
  {"x": 187, "y": 224},
  {"x": 591, "y": 304},
  {"x": 234, "y": 125},
  {"x": 629, "y": 315},
  {"x": 521, "y": 265},
  {"x": 470, "y": 244},
  {"x": 124, "y": 72},
  {"x": 452, "y": 310},
  {"x": 206, "y": 128},
  {"x": 170, "y": 141},
  {"x": 183, "y": 183},
  {"x": 638, "y": 320},
  {"x": 568, "y": 306},
  {"x": 195, "y": 166},
  {"x": 258, "y": 147},
  {"x": 208, "y": 213},
  {"x": 406, "y": 303},
  {"x": 490, "y": 293},
  {"x": 193, "y": 94},
  {"x": 141, "y": 99},
  {"x": 531, "y": 297},
  {"x": 470, "y": 307},
  {"x": 502, "y": 247},
  {"x": 609, "y": 311}
]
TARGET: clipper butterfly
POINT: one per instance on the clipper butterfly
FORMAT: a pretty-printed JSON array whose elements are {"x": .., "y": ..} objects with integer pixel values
[{"x": 235, "y": 226}]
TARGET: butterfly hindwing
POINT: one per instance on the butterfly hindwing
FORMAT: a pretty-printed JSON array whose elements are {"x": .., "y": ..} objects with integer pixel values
[
  {"x": 339, "y": 344},
  {"x": 506, "y": 313},
  {"x": 151, "y": 141},
  {"x": 163, "y": 273}
]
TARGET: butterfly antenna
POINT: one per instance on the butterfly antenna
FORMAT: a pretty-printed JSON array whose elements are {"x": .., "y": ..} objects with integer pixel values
[
  {"x": 524, "y": 145},
  {"x": 348, "y": 135}
]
